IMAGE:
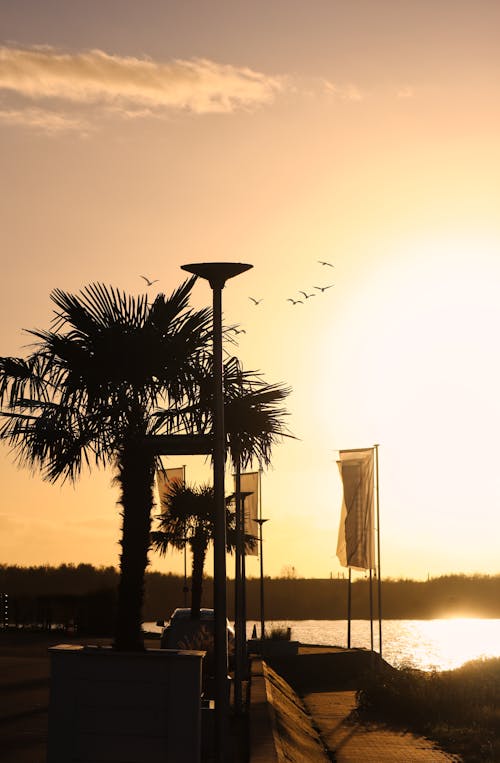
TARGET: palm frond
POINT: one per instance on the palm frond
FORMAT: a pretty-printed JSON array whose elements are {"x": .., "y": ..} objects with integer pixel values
[
  {"x": 163, "y": 311},
  {"x": 97, "y": 307},
  {"x": 23, "y": 378}
]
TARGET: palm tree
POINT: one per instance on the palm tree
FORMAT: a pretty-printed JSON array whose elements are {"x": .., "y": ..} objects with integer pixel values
[
  {"x": 253, "y": 410},
  {"x": 254, "y": 415},
  {"x": 89, "y": 393},
  {"x": 254, "y": 423},
  {"x": 189, "y": 517}
]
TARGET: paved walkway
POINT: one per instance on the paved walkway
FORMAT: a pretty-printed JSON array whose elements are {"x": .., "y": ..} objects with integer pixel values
[
  {"x": 328, "y": 729},
  {"x": 354, "y": 742},
  {"x": 262, "y": 743}
]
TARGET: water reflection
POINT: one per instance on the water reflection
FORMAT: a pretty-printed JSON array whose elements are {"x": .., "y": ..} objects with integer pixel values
[{"x": 422, "y": 644}]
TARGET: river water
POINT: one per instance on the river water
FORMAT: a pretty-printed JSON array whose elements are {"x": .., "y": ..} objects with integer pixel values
[{"x": 424, "y": 644}]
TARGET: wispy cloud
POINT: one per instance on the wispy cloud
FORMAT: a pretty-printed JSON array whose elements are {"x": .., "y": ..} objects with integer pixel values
[
  {"x": 347, "y": 92},
  {"x": 198, "y": 85},
  {"x": 51, "y": 122}
]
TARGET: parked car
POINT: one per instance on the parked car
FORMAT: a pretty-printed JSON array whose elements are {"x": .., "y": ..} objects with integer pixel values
[{"x": 186, "y": 632}]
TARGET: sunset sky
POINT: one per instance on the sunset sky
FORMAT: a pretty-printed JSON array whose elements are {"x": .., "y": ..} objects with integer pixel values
[{"x": 137, "y": 137}]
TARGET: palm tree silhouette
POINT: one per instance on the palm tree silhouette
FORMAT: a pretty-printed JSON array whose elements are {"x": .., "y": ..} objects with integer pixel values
[
  {"x": 88, "y": 395},
  {"x": 254, "y": 423},
  {"x": 254, "y": 415},
  {"x": 189, "y": 517}
]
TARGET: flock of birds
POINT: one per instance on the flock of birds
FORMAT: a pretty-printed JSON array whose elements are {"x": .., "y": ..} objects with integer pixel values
[
  {"x": 305, "y": 295},
  {"x": 256, "y": 302},
  {"x": 293, "y": 300}
]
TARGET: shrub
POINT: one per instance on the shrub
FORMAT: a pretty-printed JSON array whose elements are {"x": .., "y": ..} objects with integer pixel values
[
  {"x": 279, "y": 633},
  {"x": 457, "y": 708}
]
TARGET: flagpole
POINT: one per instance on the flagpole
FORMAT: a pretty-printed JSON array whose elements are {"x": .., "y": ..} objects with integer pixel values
[
  {"x": 239, "y": 551},
  {"x": 371, "y": 576},
  {"x": 376, "y": 447},
  {"x": 260, "y": 490},
  {"x": 243, "y": 593},
  {"x": 349, "y": 610},
  {"x": 185, "y": 588},
  {"x": 371, "y": 609},
  {"x": 260, "y": 522}
]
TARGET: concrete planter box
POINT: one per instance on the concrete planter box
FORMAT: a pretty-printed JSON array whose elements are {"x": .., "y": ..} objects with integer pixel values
[{"x": 124, "y": 707}]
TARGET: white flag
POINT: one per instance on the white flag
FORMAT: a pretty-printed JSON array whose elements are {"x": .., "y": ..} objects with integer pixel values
[
  {"x": 356, "y": 541},
  {"x": 165, "y": 478},
  {"x": 249, "y": 483}
]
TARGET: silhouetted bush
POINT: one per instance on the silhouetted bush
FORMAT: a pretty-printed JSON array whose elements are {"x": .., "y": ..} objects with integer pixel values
[{"x": 458, "y": 708}]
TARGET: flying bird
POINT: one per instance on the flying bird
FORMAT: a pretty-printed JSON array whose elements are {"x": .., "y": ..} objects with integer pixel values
[
  {"x": 324, "y": 288},
  {"x": 149, "y": 282},
  {"x": 306, "y": 295},
  {"x": 295, "y": 301},
  {"x": 239, "y": 331},
  {"x": 322, "y": 262},
  {"x": 255, "y": 301}
]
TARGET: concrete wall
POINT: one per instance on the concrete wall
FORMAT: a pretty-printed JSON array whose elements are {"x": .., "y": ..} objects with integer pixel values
[{"x": 123, "y": 707}]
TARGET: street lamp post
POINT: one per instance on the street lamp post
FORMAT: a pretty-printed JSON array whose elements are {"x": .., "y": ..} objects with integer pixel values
[
  {"x": 260, "y": 522},
  {"x": 217, "y": 273},
  {"x": 240, "y": 671},
  {"x": 185, "y": 588}
]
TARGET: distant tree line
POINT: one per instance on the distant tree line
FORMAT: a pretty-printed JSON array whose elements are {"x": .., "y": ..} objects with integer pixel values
[
  {"x": 326, "y": 599},
  {"x": 85, "y": 596}
]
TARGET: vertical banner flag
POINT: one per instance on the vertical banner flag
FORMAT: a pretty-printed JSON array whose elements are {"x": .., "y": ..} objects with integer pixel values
[
  {"x": 249, "y": 483},
  {"x": 356, "y": 541},
  {"x": 165, "y": 478}
]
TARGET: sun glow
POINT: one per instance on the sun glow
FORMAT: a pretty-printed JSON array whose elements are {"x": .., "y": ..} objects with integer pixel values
[
  {"x": 446, "y": 644},
  {"x": 415, "y": 351}
]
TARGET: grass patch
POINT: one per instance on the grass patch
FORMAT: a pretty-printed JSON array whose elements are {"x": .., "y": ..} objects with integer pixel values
[
  {"x": 279, "y": 633},
  {"x": 459, "y": 709}
]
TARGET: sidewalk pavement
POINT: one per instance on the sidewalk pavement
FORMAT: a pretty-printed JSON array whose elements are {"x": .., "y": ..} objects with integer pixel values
[
  {"x": 354, "y": 742},
  {"x": 262, "y": 732},
  {"x": 328, "y": 731}
]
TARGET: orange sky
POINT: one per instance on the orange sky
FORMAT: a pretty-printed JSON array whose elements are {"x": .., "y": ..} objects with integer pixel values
[{"x": 139, "y": 137}]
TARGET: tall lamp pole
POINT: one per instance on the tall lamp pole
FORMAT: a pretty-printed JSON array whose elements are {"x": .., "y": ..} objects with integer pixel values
[
  {"x": 217, "y": 273},
  {"x": 260, "y": 522},
  {"x": 185, "y": 588},
  {"x": 239, "y": 599}
]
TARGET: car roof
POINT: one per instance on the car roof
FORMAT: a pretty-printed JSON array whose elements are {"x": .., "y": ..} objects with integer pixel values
[{"x": 185, "y": 612}]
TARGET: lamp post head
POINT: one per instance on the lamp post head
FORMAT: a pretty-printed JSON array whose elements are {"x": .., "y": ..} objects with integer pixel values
[{"x": 217, "y": 273}]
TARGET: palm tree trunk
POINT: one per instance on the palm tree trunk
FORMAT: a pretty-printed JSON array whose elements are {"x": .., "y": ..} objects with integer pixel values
[
  {"x": 135, "y": 477},
  {"x": 199, "y": 543}
]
